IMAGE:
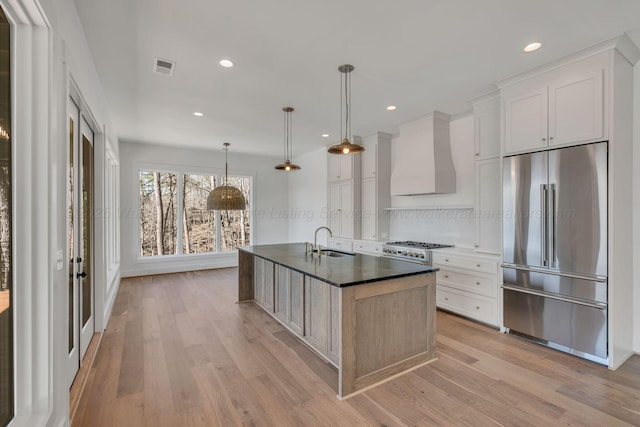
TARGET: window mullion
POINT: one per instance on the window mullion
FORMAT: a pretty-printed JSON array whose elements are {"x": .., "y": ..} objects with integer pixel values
[{"x": 179, "y": 215}]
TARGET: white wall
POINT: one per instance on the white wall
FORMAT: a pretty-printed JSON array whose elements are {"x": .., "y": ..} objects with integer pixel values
[
  {"x": 453, "y": 226},
  {"x": 308, "y": 197},
  {"x": 43, "y": 389},
  {"x": 270, "y": 202}
]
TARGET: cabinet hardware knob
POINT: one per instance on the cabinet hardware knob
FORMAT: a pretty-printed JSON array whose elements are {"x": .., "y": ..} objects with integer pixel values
[
  {"x": 550, "y": 138},
  {"x": 477, "y": 154},
  {"x": 478, "y": 265},
  {"x": 478, "y": 283},
  {"x": 446, "y": 260},
  {"x": 477, "y": 307},
  {"x": 477, "y": 246},
  {"x": 446, "y": 276},
  {"x": 544, "y": 139},
  {"x": 446, "y": 299}
]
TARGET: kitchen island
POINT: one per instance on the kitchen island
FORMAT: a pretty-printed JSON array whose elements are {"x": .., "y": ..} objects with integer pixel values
[{"x": 371, "y": 317}]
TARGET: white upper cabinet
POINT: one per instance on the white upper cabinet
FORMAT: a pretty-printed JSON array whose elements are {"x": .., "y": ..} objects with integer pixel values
[
  {"x": 576, "y": 110},
  {"x": 341, "y": 166},
  {"x": 486, "y": 113},
  {"x": 561, "y": 107},
  {"x": 369, "y": 157},
  {"x": 376, "y": 181},
  {"x": 526, "y": 120}
]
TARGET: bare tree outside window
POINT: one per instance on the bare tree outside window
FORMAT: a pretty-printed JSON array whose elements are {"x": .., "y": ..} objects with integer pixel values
[
  {"x": 158, "y": 211},
  {"x": 235, "y": 225},
  {"x": 202, "y": 230},
  {"x": 199, "y": 223}
]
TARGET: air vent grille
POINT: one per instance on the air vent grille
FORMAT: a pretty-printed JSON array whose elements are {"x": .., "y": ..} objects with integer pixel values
[{"x": 162, "y": 66}]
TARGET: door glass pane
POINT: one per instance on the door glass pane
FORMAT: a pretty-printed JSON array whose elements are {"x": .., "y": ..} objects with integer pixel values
[
  {"x": 158, "y": 209},
  {"x": 6, "y": 275},
  {"x": 87, "y": 227},
  {"x": 199, "y": 224},
  {"x": 235, "y": 225},
  {"x": 70, "y": 247}
]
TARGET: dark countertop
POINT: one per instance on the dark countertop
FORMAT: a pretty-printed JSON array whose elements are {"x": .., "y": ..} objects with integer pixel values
[{"x": 342, "y": 271}]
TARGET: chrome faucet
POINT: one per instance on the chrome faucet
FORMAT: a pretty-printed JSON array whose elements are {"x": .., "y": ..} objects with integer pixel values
[{"x": 315, "y": 238}]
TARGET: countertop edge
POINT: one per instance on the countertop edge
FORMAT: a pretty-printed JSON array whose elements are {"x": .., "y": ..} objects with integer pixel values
[{"x": 344, "y": 285}]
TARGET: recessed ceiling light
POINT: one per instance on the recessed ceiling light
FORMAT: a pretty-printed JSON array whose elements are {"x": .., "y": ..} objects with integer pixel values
[
  {"x": 391, "y": 107},
  {"x": 226, "y": 63},
  {"x": 198, "y": 114},
  {"x": 325, "y": 135},
  {"x": 532, "y": 47}
]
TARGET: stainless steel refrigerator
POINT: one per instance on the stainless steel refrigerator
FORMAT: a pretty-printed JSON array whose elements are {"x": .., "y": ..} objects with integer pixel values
[{"x": 555, "y": 248}]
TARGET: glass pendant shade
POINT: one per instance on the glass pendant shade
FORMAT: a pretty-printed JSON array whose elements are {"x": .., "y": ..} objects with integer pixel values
[
  {"x": 288, "y": 145},
  {"x": 346, "y": 146},
  {"x": 226, "y": 197}
]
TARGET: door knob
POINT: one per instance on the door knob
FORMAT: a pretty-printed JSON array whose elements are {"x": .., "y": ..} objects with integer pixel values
[{"x": 79, "y": 275}]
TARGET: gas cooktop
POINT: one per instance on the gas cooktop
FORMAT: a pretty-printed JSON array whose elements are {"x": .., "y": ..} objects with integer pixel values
[
  {"x": 408, "y": 250},
  {"x": 412, "y": 244}
]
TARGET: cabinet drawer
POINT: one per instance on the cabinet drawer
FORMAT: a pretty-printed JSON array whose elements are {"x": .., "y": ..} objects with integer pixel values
[
  {"x": 483, "y": 285},
  {"x": 368, "y": 248},
  {"x": 481, "y": 266},
  {"x": 473, "y": 306},
  {"x": 340, "y": 244}
]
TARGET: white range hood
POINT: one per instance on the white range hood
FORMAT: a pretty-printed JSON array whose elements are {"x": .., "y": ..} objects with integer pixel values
[{"x": 423, "y": 163}]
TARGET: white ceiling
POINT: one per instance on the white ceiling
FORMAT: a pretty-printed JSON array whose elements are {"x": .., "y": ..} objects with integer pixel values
[{"x": 420, "y": 55}]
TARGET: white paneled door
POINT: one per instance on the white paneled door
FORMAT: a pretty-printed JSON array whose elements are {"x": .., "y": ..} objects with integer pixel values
[{"x": 80, "y": 252}]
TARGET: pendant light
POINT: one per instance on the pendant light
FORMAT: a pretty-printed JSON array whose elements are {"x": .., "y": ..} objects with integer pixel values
[
  {"x": 288, "y": 146},
  {"x": 346, "y": 147},
  {"x": 226, "y": 197}
]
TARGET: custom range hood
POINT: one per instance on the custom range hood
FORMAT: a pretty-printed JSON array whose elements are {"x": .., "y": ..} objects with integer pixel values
[{"x": 423, "y": 162}]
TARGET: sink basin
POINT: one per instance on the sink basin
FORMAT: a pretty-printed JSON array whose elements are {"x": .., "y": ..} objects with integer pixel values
[{"x": 333, "y": 253}]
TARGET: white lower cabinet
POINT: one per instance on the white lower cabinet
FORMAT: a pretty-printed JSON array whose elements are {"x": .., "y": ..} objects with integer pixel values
[
  {"x": 340, "y": 244},
  {"x": 467, "y": 284},
  {"x": 263, "y": 288},
  {"x": 368, "y": 248}
]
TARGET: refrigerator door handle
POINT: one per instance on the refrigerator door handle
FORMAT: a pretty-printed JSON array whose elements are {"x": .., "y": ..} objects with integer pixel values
[
  {"x": 598, "y": 305},
  {"x": 544, "y": 226},
  {"x": 600, "y": 279},
  {"x": 552, "y": 226}
]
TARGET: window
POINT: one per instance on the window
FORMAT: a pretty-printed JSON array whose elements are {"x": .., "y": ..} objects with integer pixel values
[
  {"x": 199, "y": 224},
  {"x": 196, "y": 230},
  {"x": 158, "y": 208},
  {"x": 6, "y": 262}
]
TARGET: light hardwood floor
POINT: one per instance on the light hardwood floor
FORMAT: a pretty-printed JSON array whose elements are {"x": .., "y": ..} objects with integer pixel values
[{"x": 178, "y": 351}]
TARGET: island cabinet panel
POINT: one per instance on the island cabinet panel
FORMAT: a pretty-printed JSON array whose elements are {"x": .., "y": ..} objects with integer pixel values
[
  {"x": 317, "y": 303},
  {"x": 333, "y": 352},
  {"x": 263, "y": 283},
  {"x": 245, "y": 276},
  {"x": 289, "y": 299},
  {"x": 387, "y": 328}
]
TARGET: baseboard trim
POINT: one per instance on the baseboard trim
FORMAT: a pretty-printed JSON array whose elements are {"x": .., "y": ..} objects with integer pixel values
[{"x": 80, "y": 381}]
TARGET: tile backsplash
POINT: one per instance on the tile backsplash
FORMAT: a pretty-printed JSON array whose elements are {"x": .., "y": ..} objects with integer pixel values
[{"x": 450, "y": 226}]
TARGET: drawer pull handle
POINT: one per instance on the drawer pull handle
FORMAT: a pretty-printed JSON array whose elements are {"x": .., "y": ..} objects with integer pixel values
[
  {"x": 446, "y": 276},
  {"x": 477, "y": 307},
  {"x": 446, "y": 299},
  {"x": 478, "y": 283},
  {"x": 478, "y": 265},
  {"x": 446, "y": 260}
]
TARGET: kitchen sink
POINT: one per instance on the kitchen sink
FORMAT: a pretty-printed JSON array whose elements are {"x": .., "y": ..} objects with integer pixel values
[{"x": 334, "y": 253}]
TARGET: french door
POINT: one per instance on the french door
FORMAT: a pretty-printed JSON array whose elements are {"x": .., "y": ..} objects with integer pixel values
[{"x": 80, "y": 238}]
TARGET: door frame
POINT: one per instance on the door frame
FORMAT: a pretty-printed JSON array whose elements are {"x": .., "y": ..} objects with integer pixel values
[
  {"x": 74, "y": 96},
  {"x": 32, "y": 99}
]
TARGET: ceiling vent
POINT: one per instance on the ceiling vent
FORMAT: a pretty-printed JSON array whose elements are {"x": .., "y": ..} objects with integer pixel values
[{"x": 161, "y": 66}]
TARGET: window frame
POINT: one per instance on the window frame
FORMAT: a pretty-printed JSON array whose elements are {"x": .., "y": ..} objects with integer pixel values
[{"x": 181, "y": 171}]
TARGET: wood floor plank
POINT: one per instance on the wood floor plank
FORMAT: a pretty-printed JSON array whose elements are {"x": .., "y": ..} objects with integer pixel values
[{"x": 178, "y": 351}]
